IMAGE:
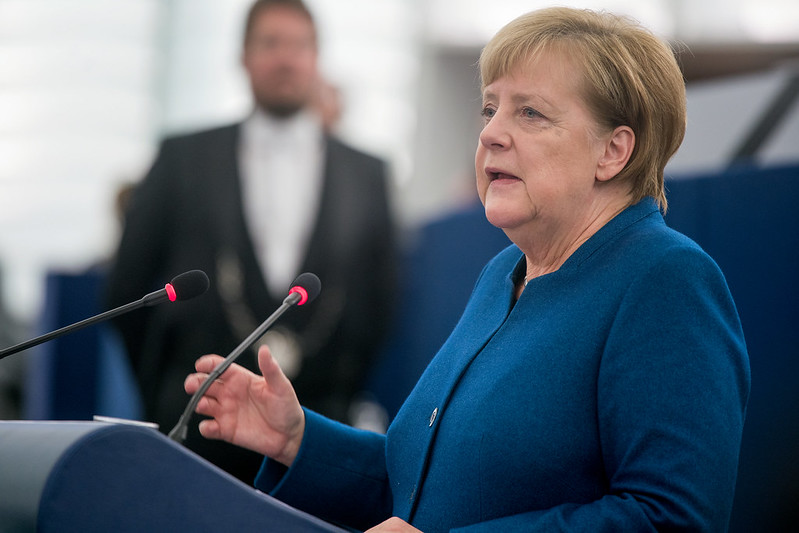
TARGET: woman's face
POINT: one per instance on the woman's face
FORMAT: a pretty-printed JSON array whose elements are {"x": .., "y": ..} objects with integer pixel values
[{"x": 537, "y": 155}]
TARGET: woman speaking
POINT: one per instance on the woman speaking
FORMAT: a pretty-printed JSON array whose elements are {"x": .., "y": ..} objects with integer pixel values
[{"x": 598, "y": 378}]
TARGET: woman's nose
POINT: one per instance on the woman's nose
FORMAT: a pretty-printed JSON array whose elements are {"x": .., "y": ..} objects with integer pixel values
[{"x": 494, "y": 135}]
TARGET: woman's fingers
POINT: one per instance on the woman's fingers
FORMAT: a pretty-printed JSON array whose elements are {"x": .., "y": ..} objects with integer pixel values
[
  {"x": 210, "y": 429},
  {"x": 204, "y": 366},
  {"x": 194, "y": 381},
  {"x": 270, "y": 370},
  {"x": 209, "y": 401},
  {"x": 207, "y": 405},
  {"x": 207, "y": 363}
]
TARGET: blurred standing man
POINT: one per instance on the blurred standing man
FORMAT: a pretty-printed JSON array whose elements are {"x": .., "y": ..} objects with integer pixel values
[{"x": 253, "y": 204}]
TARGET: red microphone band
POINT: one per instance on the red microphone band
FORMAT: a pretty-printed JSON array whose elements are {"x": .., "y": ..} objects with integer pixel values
[
  {"x": 170, "y": 292},
  {"x": 302, "y": 292}
]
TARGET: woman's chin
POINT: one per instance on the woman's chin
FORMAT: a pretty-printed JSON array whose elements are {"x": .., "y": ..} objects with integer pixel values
[{"x": 503, "y": 219}]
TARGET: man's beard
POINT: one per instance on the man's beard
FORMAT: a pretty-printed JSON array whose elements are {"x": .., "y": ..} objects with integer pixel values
[{"x": 281, "y": 110}]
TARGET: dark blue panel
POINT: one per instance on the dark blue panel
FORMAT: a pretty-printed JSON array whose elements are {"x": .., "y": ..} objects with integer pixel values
[{"x": 748, "y": 220}]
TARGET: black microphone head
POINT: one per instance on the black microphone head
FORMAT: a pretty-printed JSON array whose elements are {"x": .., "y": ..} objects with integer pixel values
[
  {"x": 308, "y": 286},
  {"x": 190, "y": 284}
]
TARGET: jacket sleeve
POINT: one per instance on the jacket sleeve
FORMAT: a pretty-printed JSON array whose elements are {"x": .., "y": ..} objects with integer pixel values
[
  {"x": 339, "y": 475},
  {"x": 672, "y": 391}
]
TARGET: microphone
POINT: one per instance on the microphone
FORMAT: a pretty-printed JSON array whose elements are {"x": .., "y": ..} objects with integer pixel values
[
  {"x": 305, "y": 288},
  {"x": 183, "y": 287}
]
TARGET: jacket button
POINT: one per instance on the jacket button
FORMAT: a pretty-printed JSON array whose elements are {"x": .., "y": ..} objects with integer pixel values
[{"x": 433, "y": 416}]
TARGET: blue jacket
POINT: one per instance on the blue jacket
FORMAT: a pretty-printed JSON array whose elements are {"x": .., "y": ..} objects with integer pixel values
[{"x": 609, "y": 397}]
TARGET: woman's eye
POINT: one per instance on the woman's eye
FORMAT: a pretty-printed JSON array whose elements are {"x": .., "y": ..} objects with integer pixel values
[
  {"x": 488, "y": 112},
  {"x": 529, "y": 112}
]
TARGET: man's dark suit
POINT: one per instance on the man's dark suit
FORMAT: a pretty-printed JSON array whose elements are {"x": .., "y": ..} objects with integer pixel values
[{"x": 188, "y": 214}]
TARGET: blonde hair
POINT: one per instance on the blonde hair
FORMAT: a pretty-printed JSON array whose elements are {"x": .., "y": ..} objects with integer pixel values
[{"x": 630, "y": 77}]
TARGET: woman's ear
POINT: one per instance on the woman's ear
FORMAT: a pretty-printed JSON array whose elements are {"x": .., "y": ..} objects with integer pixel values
[{"x": 618, "y": 150}]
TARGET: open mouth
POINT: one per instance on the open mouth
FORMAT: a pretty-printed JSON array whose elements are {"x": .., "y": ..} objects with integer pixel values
[{"x": 498, "y": 175}]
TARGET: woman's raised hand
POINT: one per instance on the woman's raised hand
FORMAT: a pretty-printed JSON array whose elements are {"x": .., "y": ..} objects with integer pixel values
[{"x": 260, "y": 413}]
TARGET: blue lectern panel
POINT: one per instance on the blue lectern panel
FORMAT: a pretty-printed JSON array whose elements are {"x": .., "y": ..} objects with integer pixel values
[{"x": 111, "y": 477}]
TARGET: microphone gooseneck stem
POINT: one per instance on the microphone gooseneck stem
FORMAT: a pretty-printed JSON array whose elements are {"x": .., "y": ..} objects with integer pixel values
[
  {"x": 72, "y": 327},
  {"x": 189, "y": 285},
  {"x": 178, "y": 433}
]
